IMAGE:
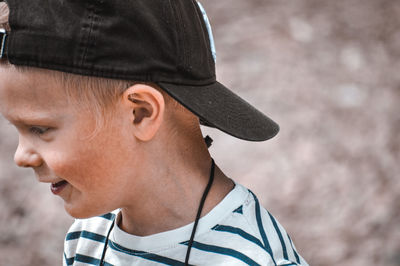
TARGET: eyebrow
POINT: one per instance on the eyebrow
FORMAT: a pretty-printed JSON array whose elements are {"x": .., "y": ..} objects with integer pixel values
[{"x": 31, "y": 119}]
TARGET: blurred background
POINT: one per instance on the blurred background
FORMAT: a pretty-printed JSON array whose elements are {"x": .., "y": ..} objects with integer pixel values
[{"x": 326, "y": 71}]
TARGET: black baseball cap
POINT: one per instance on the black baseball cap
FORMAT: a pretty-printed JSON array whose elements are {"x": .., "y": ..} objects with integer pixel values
[{"x": 166, "y": 42}]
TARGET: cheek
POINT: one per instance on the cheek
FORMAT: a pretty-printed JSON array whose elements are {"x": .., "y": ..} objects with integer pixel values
[
  {"x": 78, "y": 166},
  {"x": 91, "y": 164},
  {"x": 88, "y": 166}
]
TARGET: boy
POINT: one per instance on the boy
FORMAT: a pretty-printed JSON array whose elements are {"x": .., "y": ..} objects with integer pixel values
[{"x": 107, "y": 97}]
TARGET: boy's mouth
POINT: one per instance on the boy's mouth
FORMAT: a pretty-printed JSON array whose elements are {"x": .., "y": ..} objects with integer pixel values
[{"x": 56, "y": 188}]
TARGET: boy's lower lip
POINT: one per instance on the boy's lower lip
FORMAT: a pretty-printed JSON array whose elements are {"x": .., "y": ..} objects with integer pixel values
[{"x": 56, "y": 188}]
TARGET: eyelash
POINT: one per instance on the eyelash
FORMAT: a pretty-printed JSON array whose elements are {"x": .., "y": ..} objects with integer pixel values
[{"x": 38, "y": 130}]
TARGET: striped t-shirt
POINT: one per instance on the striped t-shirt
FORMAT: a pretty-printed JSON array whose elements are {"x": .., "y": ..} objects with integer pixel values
[{"x": 238, "y": 231}]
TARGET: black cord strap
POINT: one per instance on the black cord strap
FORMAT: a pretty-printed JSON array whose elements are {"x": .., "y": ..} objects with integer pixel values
[
  {"x": 106, "y": 243},
  {"x": 208, "y": 141},
  {"x": 203, "y": 199}
]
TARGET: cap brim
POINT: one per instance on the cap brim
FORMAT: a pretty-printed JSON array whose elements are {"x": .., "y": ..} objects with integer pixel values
[{"x": 218, "y": 107}]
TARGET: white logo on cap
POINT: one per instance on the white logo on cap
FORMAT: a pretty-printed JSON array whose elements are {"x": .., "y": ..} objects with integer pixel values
[{"x": 210, "y": 34}]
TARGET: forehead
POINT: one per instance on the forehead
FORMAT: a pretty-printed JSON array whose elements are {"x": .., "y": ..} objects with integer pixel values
[{"x": 30, "y": 91}]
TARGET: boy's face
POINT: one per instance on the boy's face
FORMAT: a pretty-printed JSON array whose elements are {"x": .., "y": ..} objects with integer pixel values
[{"x": 56, "y": 141}]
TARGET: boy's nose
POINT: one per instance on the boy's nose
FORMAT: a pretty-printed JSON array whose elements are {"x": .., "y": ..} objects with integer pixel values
[{"x": 24, "y": 157}]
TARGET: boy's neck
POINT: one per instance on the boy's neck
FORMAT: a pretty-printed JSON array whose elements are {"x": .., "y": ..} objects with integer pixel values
[{"x": 172, "y": 196}]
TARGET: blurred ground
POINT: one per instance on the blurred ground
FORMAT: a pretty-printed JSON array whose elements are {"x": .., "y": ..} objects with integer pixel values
[{"x": 326, "y": 71}]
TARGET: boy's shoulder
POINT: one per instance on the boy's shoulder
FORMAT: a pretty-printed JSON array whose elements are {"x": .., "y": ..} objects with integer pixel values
[{"x": 237, "y": 231}]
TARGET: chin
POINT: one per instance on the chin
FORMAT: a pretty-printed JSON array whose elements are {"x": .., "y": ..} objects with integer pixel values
[{"x": 82, "y": 212}]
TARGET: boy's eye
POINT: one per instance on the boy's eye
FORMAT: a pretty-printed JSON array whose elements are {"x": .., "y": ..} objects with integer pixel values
[{"x": 38, "y": 130}]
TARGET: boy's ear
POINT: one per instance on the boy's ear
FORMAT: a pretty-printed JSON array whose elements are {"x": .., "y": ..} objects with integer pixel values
[{"x": 146, "y": 106}]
